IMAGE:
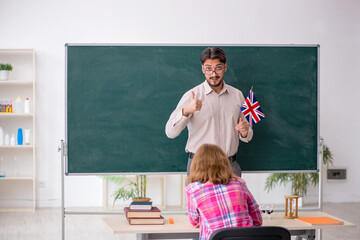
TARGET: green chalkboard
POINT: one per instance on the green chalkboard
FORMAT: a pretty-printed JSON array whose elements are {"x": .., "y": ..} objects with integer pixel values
[{"x": 119, "y": 99}]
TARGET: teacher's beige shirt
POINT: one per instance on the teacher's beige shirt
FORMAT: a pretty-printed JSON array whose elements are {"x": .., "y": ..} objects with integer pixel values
[{"x": 214, "y": 123}]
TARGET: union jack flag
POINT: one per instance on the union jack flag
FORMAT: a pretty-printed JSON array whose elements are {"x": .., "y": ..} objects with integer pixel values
[{"x": 251, "y": 109}]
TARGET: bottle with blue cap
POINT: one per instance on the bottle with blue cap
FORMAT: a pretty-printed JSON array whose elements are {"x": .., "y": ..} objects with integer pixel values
[{"x": 20, "y": 137}]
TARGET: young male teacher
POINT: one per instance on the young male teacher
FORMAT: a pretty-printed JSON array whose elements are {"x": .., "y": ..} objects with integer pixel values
[{"x": 211, "y": 112}]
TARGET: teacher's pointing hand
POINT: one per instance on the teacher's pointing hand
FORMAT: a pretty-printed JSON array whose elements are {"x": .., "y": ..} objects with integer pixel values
[{"x": 193, "y": 105}]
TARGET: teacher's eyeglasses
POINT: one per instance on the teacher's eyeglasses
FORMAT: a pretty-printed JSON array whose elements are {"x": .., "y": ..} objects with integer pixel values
[{"x": 218, "y": 70}]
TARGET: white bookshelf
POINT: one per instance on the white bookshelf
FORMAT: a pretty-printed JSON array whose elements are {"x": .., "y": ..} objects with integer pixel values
[
  {"x": 157, "y": 189},
  {"x": 15, "y": 83},
  {"x": 17, "y": 188},
  {"x": 20, "y": 178},
  {"x": 16, "y": 115},
  {"x": 16, "y": 147}
]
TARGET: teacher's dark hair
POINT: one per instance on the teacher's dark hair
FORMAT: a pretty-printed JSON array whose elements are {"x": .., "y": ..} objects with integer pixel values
[{"x": 213, "y": 53}]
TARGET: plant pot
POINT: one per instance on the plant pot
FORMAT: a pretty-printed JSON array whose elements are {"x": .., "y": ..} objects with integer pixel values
[
  {"x": 4, "y": 75},
  {"x": 141, "y": 199}
]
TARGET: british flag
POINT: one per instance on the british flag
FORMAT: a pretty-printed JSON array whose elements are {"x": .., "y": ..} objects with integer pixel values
[{"x": 251, "y": 109}]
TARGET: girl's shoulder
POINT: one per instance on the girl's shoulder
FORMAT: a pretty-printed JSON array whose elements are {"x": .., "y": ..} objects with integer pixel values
[
  {"x": 238, "y": 180},
  {"x": 194, "y": 186}
]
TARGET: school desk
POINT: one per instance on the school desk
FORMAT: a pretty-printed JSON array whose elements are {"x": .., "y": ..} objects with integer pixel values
[{"x": 182, "y": 229}]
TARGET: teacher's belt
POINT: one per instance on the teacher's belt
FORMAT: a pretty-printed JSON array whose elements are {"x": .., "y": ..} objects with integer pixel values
[{"x": 231, "y": 158}]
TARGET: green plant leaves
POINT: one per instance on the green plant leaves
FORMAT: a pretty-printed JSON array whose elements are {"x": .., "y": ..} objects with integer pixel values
[
  {"x": 299, "y": 181},
  {"x": 128, "y": 188},
  {"x": 6, "y": 66}
]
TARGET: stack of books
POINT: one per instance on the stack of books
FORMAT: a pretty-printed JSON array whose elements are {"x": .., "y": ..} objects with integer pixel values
[{"x": 143, "y": 213}]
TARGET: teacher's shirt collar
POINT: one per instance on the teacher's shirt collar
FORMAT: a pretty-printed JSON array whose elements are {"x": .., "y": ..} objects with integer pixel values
[{"x": 208, "y": 89}]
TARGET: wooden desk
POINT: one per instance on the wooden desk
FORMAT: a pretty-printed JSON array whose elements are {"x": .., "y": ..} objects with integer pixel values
[{"x": 182, "y": 229}]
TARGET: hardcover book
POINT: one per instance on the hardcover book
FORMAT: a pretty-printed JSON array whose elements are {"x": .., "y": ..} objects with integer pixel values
[
  {"x": 153, "y": 213},
  {"x": 146, "y": 221},
  {"x": 140, "y": 206}
]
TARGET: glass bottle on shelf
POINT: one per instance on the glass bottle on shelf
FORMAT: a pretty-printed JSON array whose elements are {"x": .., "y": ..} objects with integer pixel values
[
  {"x": 2, "y": 169},
  {"x": 1, "y": 136},
  {"x": 7, "y": 139},
  {"x": 16, "y": 167},
  {"x": 19, "y": 105},
  {"x": 12, "y": 140},
  {"x": 27, "y": 105}
]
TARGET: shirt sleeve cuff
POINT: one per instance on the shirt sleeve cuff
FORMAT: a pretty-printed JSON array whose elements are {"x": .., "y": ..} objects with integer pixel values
[
  {"x": 179, "y": 116},
  {"x": 248, "y": 137}
]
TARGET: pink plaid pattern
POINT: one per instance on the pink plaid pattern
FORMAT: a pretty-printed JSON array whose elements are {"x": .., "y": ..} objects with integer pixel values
[{"x": 216, "y": 206}]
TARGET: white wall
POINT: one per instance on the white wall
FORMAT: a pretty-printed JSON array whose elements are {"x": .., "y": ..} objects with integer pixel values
[{"x": 48, "y": 25}]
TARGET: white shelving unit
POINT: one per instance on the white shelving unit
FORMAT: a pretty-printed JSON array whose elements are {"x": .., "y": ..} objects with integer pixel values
[
  {"x": 152, "y": 182},
  {"x": 17, "y": 188}
]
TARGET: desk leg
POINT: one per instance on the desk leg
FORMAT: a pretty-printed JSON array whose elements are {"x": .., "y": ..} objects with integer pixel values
[
  {"x": 140, "y": 236},
  {"x": 303, "y": 234}
]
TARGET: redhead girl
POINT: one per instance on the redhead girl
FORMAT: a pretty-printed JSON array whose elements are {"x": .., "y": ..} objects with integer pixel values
[{"x": 216, "y": 197}]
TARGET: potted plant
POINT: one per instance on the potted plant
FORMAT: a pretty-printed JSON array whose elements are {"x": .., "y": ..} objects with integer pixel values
[
  {"x": 5, "y": 68},
  {"x": 299, "y": 181},
  {"x": 128, "y": 188}
]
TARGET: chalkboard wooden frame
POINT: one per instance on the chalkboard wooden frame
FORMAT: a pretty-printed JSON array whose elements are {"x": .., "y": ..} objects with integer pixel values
[{"x": 89, "y": 160}]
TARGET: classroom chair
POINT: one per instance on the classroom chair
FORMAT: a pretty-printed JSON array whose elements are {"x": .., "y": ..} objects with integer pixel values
[{"x": 251, "y": 233}]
